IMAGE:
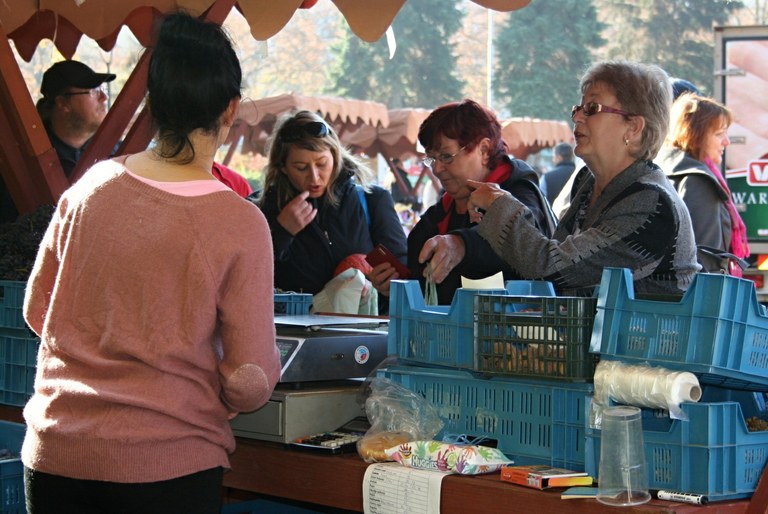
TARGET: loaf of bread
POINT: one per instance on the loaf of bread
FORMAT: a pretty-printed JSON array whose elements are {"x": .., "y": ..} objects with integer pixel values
[{"x": 371, "y": 447}]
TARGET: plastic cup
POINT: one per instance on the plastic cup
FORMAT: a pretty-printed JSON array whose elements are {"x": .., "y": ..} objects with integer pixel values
[{"x": 623, "y": 475}]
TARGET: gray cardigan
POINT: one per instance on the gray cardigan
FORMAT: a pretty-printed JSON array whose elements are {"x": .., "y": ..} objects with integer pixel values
[
  {"x": 638, "y": 222},
  {"x": 705, "y": 198}
]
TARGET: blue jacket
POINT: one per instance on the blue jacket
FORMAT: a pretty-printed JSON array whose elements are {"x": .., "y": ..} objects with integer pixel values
[{"x": 307, "y": 261}]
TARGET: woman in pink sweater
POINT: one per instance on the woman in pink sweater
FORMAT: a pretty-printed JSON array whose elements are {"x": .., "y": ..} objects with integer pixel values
[{"x": 152, "y": 294}]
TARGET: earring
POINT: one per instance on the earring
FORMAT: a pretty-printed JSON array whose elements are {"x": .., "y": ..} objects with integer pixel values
[{"x": 626, "y": 142}]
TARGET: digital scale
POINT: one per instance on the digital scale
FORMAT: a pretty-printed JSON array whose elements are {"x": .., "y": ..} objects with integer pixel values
[{"x": 324, "y": 360}]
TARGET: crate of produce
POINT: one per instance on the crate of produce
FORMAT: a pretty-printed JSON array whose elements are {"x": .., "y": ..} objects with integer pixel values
[
  {"x": 713, "y": 454},
  {"x": 545, "y": 336},
  {"x": 442, "y": 335},
  {"x": 12, "y": 303},
  {"x": 18, "y": 361},
  {"x": 292, "y": 304},
  {"x": 532, "y": 421},
  {"x": 717, "y": 330},
  {"x": 11, "y": 469}
]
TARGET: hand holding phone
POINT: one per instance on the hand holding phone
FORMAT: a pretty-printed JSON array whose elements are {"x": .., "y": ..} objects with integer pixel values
[{"x": 382, "y": 254}]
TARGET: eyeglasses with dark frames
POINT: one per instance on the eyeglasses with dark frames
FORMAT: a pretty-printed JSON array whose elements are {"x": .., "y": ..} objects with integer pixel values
[
  {"x": 299, "y": 132},
  {"x": 592, "y": 108},
  {"x": 444, "y": 158}
]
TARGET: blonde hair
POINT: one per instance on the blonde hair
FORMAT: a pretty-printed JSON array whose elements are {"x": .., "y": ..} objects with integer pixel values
[{"x": 279, "y": 145}]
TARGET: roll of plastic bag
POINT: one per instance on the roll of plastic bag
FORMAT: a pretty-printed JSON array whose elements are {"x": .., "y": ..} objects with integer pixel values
[{"x": 645, "y": 386}]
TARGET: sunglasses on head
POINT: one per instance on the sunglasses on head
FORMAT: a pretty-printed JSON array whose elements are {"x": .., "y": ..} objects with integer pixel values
[{"x": 299, "y": 132}]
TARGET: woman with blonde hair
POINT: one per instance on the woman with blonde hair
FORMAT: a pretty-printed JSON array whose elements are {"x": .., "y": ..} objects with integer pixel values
[{"x": 323, "y": 211}]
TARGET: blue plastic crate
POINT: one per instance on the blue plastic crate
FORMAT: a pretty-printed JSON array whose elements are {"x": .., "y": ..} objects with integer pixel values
[
  {"x": 18, "y": 362},
  {"x": 545, "y": 336},
  {"x": 441, "y": 335},
  {"x": 712, "y": 454},
  {"x": 292, "y": 304},
  {"x": 717, "y": 330},
  {"x": 11, "y": 469},
  {"x": 533, "y": 421},
  {"x": 12, "y": 303}
]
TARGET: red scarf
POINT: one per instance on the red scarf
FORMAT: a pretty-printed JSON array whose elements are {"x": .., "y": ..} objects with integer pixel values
[
  {"x": 499, "y": 175},
  {"x": 739, "y": 246}
]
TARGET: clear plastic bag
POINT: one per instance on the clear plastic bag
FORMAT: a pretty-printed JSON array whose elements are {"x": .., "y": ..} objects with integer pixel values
[{"x": 397, "y": 415}]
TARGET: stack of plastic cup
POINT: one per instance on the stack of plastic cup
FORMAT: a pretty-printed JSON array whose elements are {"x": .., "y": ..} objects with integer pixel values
[{"x": 623, "y": 475}]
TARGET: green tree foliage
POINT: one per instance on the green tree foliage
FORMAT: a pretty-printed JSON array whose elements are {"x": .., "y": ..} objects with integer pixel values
[
  {"x": 542, "y": 51},
  {"x": 423, "y": 71},
  {"x": 675, "y": 34}
]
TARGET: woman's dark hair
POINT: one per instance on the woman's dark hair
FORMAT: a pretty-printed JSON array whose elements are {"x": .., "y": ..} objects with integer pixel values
[
  {"x": 194, "y": 73},
  {"x": 468, "y": 123}
]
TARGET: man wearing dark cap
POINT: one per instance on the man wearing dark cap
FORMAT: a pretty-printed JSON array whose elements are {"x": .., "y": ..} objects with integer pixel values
[{"x": 73, "y": 105}]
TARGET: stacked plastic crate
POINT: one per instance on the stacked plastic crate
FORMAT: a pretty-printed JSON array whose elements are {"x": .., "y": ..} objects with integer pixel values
[
  {"x": 511, "y": 365},
  {"x": 18, "y": 346},
  {"x": 718, "y": 331},
  {"x": 292, "y": 304},
  {"x": 11, "y": 469}
]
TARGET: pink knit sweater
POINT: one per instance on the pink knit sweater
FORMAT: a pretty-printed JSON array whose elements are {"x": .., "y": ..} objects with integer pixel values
[{"x": 155, "y": 312}]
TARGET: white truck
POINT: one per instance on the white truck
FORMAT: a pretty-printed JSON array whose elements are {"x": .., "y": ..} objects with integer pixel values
[{"x": 741, "y": 83}]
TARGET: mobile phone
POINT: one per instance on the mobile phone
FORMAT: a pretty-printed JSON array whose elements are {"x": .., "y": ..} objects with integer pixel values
[{"x": 382, "y": 254}]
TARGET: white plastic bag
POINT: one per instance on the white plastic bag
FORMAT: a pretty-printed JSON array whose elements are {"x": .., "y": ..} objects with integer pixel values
[{"x": 349, "y": 292}]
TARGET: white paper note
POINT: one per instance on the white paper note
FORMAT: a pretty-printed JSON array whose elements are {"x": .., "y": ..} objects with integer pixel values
[
  {"x": 389, "y": 488},
  {"x": 493, "y": 282}
]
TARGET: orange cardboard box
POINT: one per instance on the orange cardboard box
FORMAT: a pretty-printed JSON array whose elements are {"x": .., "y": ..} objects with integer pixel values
[{"x": 543, "y": 476}]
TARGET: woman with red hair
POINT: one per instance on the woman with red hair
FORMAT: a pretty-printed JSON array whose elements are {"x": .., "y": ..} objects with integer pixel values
[
  {"x": 463, "y": 142},
  {"x": 691, "y": 158}
]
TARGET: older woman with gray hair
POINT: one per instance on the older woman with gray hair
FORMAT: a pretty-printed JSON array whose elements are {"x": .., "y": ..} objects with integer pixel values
[{"x": 623, "y": 211}]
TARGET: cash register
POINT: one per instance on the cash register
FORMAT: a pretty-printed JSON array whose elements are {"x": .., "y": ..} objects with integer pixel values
[{"x": 324, "y": 360}]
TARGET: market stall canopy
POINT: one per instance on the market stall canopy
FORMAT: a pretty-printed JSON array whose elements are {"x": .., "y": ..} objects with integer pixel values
[
  {"x": 256, "y": 118},
  {"x": 27, "y": 22},
  {"x": 526, "y": 136},
  {"x": 394, "y": 141},
  {"x": 29, "y": 165}
]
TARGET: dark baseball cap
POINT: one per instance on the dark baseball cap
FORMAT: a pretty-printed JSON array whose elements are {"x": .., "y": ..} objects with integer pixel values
[{"x": 65, "y": 74}]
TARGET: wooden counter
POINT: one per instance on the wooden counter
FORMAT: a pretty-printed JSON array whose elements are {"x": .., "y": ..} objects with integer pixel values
[
  {"x": 270, "y": 469},
  {"x": 336, "y": 481}
]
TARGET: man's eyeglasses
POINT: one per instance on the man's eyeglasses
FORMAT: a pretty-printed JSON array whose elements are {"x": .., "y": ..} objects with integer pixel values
[
  {"x": 444, "y": 158},
  {"x": 96, "y": 92},
  {"x": 299, "y": 132},
  {"x": 592, "y": 108}
]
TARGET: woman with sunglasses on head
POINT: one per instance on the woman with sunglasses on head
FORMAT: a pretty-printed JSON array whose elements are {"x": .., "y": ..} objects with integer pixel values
[
  {"x": 691, "y": 158},
  {"x": 153, "y": 336},
  {"x": 323, "y": 210},
  {"x": 463, "y": 142},
  {"x": 623, "y": 212}
]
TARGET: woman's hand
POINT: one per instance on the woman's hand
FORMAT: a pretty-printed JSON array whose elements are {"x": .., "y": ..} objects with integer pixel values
[
  {"x": 483, "y": 195},
  {"x": 381, "y": 275},
  {"x": 297, "y": 214},
  {"x": 444, "y": 253}
]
